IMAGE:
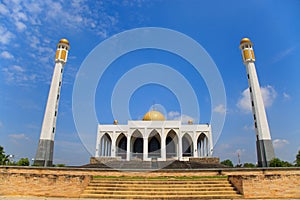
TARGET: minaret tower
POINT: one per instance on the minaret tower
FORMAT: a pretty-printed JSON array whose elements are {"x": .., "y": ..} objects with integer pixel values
[
  {"x": 265, "y": 150},
  {"x": 44, "y": 154}
]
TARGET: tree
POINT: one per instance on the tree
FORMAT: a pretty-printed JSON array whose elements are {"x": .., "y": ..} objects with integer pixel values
[
  {"x": 249, "y": 165},
  {"x": 297, "y": 161},
  {"x": 276, "y": 162},
  {"x": 3, "y": 158},
  {"x": 23, "y": 162},
  {"x": 227, "y": 163},
  {"x": 59, "y": 165}
]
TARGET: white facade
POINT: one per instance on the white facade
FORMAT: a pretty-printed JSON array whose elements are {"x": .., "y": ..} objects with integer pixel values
[{"x": 158, "y": 139}]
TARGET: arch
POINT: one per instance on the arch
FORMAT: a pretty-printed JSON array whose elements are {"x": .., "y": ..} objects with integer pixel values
[
  {"x": 105, "y": 146},
  {"x": 187, "y": 146},
  {"x": 121, "y": 144},
  {"x": 154, "y": 145},
  {"x": 137, "y": 144},
  {"x": 171, "y": 144},
  {"x": 202, "y": 145}
]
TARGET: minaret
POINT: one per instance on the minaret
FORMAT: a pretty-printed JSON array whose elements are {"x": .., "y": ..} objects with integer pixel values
[
  {"x": 265, "y": 150},
  {"x": 44, "y": 154}
]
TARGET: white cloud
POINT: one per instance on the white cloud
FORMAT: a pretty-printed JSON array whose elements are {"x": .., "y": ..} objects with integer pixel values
[
  {"x": 279, "y": 143},
  {"x": 20, "y": 26},
  {"x": 20, "y": 136},
  {"x": 220, "y": 109},
  {"x": 5, "y": 35},
  {"x": 7, "y": 55},
  {"x": 248, "y": 128},
  {"x": 283, "y": 54},
  {"x": 3, "y": 9},
  {"x": 175, "y": 115},
  {"x": 286, "y": 96},
  {"x": 268, "y": 94},
  {"x": 17, "y": 68},
  {"x": 16, "y": 74}
]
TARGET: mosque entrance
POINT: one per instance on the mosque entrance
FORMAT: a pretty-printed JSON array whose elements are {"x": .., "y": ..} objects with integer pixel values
[
  {"x": 122, "y": 146},
  {"x": 154, "y": 150},
  {"x": 171, "y": 147},
  {"x": 187, "y": 146},
  {"x": 105, "y": 150}
]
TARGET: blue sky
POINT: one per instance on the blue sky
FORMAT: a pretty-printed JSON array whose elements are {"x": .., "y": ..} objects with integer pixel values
[{"x": 30, "y": 30}]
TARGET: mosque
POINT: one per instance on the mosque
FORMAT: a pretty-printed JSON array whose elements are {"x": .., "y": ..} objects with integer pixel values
[{"x": 154, "y": 137}]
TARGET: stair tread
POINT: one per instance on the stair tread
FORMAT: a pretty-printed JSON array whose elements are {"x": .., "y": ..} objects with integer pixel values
[
  {"x": 182, "y": 187},
  {"x": 161, "y": 196},
  {"x": 160, "y": 188}
]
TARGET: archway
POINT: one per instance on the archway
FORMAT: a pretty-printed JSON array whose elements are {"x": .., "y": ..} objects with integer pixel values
[
  {"x": 171, "y": 144},
  {"x": 154, "y": 147},
  {"x": 137, "y": 144},
  {"x": 105, "y": 146},
  {"x": 121, "y": 145},
  {"x": 187, "y": 146},
  {"x": 202, "y": 145}
]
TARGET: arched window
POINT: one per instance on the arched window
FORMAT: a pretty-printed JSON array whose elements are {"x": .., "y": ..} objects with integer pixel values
[
  {"x": 137, "y": 144},
  {"x": 105, "y": 146},
  {"x": 202, "y": 146},
  {"x": 121, "y": 145},
  {"x": 154, "y": 147},
  {"x": 187, "y": 146},
  {"x": 171, "y": 144}
]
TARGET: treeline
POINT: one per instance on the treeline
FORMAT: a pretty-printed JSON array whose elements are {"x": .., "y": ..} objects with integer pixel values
[
  {"x": 5, "y": 160},
  {"x": 276, "y": 162}
]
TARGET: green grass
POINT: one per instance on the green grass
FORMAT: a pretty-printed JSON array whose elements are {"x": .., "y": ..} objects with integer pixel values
[{"x": 158, "y": 177}]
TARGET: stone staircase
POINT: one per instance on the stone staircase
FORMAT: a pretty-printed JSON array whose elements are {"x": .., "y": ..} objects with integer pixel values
[
  {"x": 152, "y": 165},
  {"x": 160, "y": 188}
]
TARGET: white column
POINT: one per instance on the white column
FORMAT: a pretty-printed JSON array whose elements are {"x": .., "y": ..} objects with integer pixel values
[
  {"x": 145, "y": 149},
  {"x": 163, "y": 148},
  {"x": 113, "y": 146},
  {"x": 98, "y": 146},
  {"x": 179, "y": 147},
  {"x": 128, "y": 147},
  {"x": 195, "y": 154}
]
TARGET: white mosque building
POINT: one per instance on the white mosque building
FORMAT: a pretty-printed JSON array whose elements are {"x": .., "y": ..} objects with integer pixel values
[{"x": 154, "y": 137}]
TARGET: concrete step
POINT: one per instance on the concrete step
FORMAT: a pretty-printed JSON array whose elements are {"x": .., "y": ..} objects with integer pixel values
[
  {"x": 159, "y": 192},
  {"x": 115, "y": 196},
  {"x": 168, "y": 185},
  {"x": 161, "y": 181},
  {"x": 160, "y": 187}
]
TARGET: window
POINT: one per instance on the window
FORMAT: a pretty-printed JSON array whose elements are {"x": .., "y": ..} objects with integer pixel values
[
  {"x": 250, "y": 89},
  {"x": 55, "y": 113},
  {"x": 248, "y": 76},
  {"x": 252, "y": 103},
  {"x": 255, "y": 124},
  {"x": 58, "y": 96},
  {"x": 53, "y": 129},
  {"x": 254, "y": 117}
]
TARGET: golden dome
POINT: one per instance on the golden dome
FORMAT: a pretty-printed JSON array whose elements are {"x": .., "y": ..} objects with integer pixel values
[
  {"x": 154, "y": 116},
  {"x": 64, "y": 40},
  {"x": 116, "y": 122},
  {"x": 244, "y": 40}
]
